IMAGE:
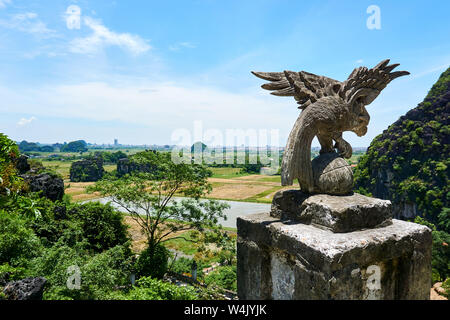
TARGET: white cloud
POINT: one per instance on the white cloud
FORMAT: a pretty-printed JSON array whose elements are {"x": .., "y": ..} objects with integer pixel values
[
  {"x": 179, "y": 45},
  {"x": 23, "y": 121},
  {"x": 360, "y": 61},
  {"x": 102, "y": 37},
  {"x": 165, "y": 106},
  {"x": 3, "y": 3},
  {"x": 27, "y": 22}
]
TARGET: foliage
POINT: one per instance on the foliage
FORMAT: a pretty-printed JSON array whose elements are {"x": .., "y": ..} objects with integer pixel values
[
  {"x": 75, "y": 146},
  {"x": 224, "y": 277},
  {"x": 8, "y": 273},
  {"x": 102, "y": 225},
  {"x": 444, "y": 220},
  {"x": 184, "y": 265},
  {"x": 23, "y": 204},
  {"x": 87, "y": 170},
  {"x": 446, "y": 286},
  {"x": 148, "y": 197},
  {"x": 152, "y": 289},
  {"x": 26, "y": 146},
  {"x": 36, "y": 166},
  {"x": 440, "y": 254},
  {"x": 100, "y": 273},
  {"x": 111, "y": 157},
  {"x": 409, "y": 162},
  {"x": 152, "y": 264},
  {"x": 10, "y": 183},
  {"x": 225, "y": 246},
  {"x": 18, "y": 243}
]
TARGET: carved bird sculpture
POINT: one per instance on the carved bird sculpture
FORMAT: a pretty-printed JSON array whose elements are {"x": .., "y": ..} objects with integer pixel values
[{"x": 329, "y": 107}]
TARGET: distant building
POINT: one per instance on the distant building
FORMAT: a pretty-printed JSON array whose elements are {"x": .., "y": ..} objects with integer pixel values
[{"x": 116, "y": 143}]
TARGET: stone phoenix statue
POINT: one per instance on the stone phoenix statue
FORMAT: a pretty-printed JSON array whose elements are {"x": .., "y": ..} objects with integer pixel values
[{"x": 330, "y": 107}]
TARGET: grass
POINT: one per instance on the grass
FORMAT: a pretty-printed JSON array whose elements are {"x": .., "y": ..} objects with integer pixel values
[
  {"x": 262, "y": 197},
  {"x": 191, "y": 248},
  {"x": 60, "y": 167},
  {"x": 63, "y": 167},
  {"x": 187, "y": 247},
  {"x": 227, "y": 173},
  {"x": 271, "y": 179}
]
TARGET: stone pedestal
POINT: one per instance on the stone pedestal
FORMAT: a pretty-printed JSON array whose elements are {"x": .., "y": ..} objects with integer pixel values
[
  {"x": 282, "y": 258},
  {"x": 336, "y": 213}
]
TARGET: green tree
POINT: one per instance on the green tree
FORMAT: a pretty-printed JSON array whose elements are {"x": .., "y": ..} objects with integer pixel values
[
  {"x": 102, "y": 225},
  {"x": 18, "y": 243},
  {"x": 148, "y": 197},
  {"x": 9, "y": 152},
  {"x": 75, "y": 146},
  {"x": 224, "y": 277}
]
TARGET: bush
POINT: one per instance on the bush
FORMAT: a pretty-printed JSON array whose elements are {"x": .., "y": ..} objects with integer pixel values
[
  {"x": 224, "y": 277},
  {"x": 53, "y": 225},
  {"x": 184, "y": 265},
  {"x": 102, "y": 225},
  {"x": 18, "y": 243},
  {"x": 152, "y": 289},
  {"x": 9, "y": 181},
  {"x": 446, "y": 286},
  {"x": 155, "y": 267},
  {"x": 440, "y": 254},
  {"x": 74, "y": 146},
  {"x": 87, "y": 170},
  {"x": 99, "y": 274},
  {"x": 8, "y": 273}
]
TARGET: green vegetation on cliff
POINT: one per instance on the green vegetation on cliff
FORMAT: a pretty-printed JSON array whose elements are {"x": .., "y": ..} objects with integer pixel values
[{"x": 409, "y": 164}]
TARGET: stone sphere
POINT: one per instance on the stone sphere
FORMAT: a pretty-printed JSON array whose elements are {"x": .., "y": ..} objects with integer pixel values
[{"x": 332, "y": 174}]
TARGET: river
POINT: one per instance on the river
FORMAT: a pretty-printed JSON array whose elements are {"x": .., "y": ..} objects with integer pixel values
[{"x": 237, "y": 208}]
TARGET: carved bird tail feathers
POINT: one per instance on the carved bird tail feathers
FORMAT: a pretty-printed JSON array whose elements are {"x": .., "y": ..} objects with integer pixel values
[{"x": 297, "y": 157}]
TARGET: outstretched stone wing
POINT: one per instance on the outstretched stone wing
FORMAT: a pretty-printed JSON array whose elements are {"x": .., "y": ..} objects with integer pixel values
[
  {"x": 305, "y": 87},
  {"x": 368, "y": 83}
]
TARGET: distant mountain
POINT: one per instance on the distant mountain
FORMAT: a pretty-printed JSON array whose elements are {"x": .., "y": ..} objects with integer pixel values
[{"x": 409, "y": 162}]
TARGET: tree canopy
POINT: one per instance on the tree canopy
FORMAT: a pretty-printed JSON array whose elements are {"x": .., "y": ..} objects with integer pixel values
[{"x": 148, "y": 197}]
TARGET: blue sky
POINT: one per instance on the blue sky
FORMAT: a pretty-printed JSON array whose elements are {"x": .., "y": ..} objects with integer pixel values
[{"x": 139, "y": 70}]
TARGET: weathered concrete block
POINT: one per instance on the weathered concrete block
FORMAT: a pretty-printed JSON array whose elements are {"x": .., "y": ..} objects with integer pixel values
[
  {"x": 299, "y": 261},
  {"x": 336, "y": 213}
]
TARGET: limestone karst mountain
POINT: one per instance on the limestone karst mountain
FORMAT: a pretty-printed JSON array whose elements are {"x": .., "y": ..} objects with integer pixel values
[{"x": 409, "y": 162}]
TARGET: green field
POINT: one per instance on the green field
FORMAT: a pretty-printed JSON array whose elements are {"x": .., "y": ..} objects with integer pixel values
[
  {"x": 63, "y": 167},
  {"x": 227, "y": 173}
]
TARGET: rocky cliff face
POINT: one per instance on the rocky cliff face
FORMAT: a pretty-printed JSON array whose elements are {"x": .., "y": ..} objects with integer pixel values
[
  {"x": 409, "y": 162},
  {"x": 26, "y": 289},
  {"x": 51, "y": 185},
  {"x": 135, "y": 163},
  {"x": 87, "y": 170}
]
